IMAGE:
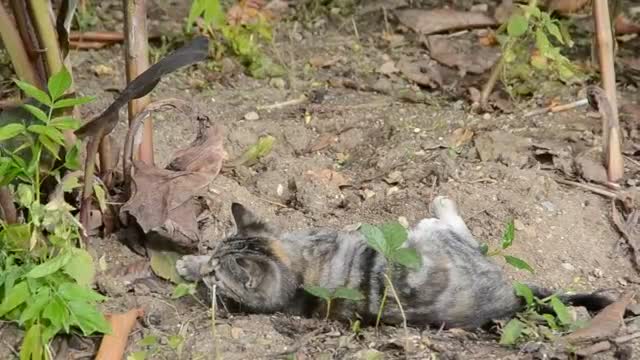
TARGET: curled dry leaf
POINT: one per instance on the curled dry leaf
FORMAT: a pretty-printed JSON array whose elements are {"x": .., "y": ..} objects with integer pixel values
[
  {"x": 604, "y": 325},
  {"x": 422, "y": 72},
  {"x": 205, "y": 154},
  {"x": 460, "y": 137},
  {"x": 462, "y": 53},
  {"x": 439, "y": 20}
]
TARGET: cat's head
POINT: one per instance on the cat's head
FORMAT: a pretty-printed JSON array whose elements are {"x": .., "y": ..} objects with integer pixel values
[{"x": 252, "y": 266}]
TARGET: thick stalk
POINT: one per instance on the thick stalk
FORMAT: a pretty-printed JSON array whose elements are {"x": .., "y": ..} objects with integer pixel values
[
  {"x": 137, "y": 61},
  {"x": 41, "y": 17},
  {"x": 29, "y": 39},
  {"x": 15, "y": 47},
  {"x": 610, "y": 130}
]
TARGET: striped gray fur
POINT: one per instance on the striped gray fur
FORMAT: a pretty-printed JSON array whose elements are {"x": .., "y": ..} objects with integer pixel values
[{"x": 456, "y": 286}]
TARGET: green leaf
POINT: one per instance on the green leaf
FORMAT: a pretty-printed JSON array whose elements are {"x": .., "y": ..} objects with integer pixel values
[
  {"x": 542, "y": 42},
  {"x": 525, "y": 292},
  {"x": 518, "y": 263},
  {"x": 100, "y": 196},
  {"x": 37, "y": 112},
  {"x": 63, "y": 103},
  {"x": 88, "y": 318},
  {"x": 394, "y": 234},
  {"x": 163, "y": 264},
  {"x": 197, "y": 9},
  {"x": 348, "y": 293},
  {"x": 257, "y": 151},
  {"x": 14, "y": 297},
  {"x": 35, "y": 306},
  {"x": 70, "y": 183},
  {"x": 49, "y": 267},
  {"x": 51, "y": 132},
  {"x": 52, "y": 147},
  {"x": 65, "y": 123},
  {"x": 71, "y": 291},
  {"x": 72, "y": 158},
  {"x": 318, "y": 291},
  {"x": 407, "y": 257},
  {"x": 59, "y": 83},
  {"x": 484, "y": 249},
  {"x": 34, "y": 92},
  {"x": 551, "y": 321},
  {"x": 517, "y": 26},
  {"x": 511, "y": 332},
  {"x": 175, "y": 341},
  {"x": 554, "y": 30},
  {"x": 138, "y": 355},
  {"x": 32, "y": 347},
  {"x": 561, "y": 311},
  {"x": 148, "y": 341},
  {"x": 183, "y": 289},
  {"x": 80, "y": 267},
  {"x": 10, "y": 131},
  {"x": 57, "y": 314},
  {"x": 508, "y": 235},
  {"x": 375, "y": 238}
]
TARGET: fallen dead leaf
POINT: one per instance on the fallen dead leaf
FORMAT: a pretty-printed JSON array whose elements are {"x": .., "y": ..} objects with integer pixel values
[
  {"x": 462, "y": 53},
  {"x": 388, "y": 67},
  {"x": 590, "y": 169},
  {"x": 205, "y": 154},
  {"x": 604, "y": 325},
  {"x": 422, "y": 72},
  {"x": 324, "y": 141},
  {"x": 566, "y": 7},
  {"x": 322, "y": 61},
  {"x": 433, "y": 21},
  {"x": 629, "y": 226},
  {"x": 625, "y": 26},
  {"x": 329, "y": 176},
  {"x": 163, "y": 264},
  {"x": 460, "y": 137}
]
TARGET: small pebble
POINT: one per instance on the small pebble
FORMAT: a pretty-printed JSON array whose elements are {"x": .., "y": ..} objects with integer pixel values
[
  {"x": 251, "y": 116},
  {"x": 597, "y": 272},
  {"x": 486, "y": 116},
  {"x": 568, "y": 267},
  {"x": 403, "y": 221},
  {"x": 518, "y": 225},
  {"x": 548, "y": 205}
]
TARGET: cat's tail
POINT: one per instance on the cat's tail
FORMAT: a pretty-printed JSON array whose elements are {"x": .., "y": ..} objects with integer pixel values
[{"x": 593, "y": 302}]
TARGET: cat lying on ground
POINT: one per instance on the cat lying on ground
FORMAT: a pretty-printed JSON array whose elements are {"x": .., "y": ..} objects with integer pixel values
[{"x": 456, "y": 286}]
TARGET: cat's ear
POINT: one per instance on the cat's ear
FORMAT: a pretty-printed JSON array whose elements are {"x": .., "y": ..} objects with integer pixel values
[{"x": 247, "y": 224}]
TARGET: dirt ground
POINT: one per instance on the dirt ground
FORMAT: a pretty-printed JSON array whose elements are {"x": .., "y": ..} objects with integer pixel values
[{"x": 388, "y": 158}]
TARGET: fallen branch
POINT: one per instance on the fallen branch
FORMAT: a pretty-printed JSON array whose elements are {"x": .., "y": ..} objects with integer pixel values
[
  {"x": 557, "y": 108},
  {"x": 86, "y": 45},
  {"x": 592, "y": 188},
  {"x": 98, "y": 36},
  {"x": 279, "y": 105},
  {"x": 113, "y": 345}
]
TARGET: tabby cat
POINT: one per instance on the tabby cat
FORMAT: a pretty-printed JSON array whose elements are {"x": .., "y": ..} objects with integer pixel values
[{"x": 456, "y": 286}]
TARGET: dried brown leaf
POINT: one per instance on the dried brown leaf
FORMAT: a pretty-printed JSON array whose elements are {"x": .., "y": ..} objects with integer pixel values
[
  {"x": 205, "y": 154},
  {"x": 329, "y": 176},
  {"x": 438, "y": 20},
  {"x": 421, "y": 72},
  {"x": 604, "y": 325},
  {"x": 566, "y": 7},
  {"x": 460, "y": 137},
  {"x": 629, "y": 228},
  {"x": 324, "y": 141},
  {"x": 462, "y": 53}
]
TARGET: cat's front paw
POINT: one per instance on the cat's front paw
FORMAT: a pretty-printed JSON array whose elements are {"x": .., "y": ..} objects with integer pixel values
[{"x": 190, "y": 267}]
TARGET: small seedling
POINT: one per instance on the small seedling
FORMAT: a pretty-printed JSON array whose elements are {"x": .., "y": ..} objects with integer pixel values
[
  {"x": 531, "y": 324},
  {"x": 183, "y": 289},
  {"x": 508, "y": 236},
  {"x": 329, "y": 295},
  {"x": 388, "y": 240},
  {"x": 532, "y": 28}
]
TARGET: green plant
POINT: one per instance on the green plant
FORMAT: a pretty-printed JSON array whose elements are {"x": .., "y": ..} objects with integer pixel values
[
  {"x": 523, "y": 69},
  {"x": 535, "y": 324},
  {"x": 44, "y": 278},
  {"x": 242, "y": 38},
  {"x": 508, "y": 236},
  {"x": 329, "y": 295},
  {"x": 388, "y": 240}
]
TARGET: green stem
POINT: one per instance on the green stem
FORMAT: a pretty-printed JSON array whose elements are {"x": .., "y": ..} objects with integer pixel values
[
  {"x": 382, "y": 303},
  {"x": 17, "y": 52},
  {"x": 326, "y": 317},
  {"x": 46, "y": 34}
]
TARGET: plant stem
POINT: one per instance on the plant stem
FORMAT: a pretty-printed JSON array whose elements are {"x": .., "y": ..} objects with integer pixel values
[
  {"x": 17, "y": 52},
  {"x": 404, "y": 318},
  {"x": 326, "y": 317},
  {"x": 40, "y": 14},
  {"x": 382, "y": 303},
  {"x": 137, "y": 61},
  {"x": 29, "y": 40}
]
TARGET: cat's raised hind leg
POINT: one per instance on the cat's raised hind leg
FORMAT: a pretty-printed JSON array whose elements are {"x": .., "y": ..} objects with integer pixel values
[{"x": 446, "y": 210}]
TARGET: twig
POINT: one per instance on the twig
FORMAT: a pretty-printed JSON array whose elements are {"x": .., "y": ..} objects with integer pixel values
[
  {"x": 557, "y": 108},
  {"x": 279, "y": 105},
  {"x": 591, "y": 188},
  {"x": 298, "y": 345},
  {"x": 98, "y": 36},
  {"x": 626, "y": 338},
  {"x": 273, "y": 202},
  {"x": 487, "y": 89},
  {"x": 213, "y": 321},
  {"x": 86, "y": 45}
]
